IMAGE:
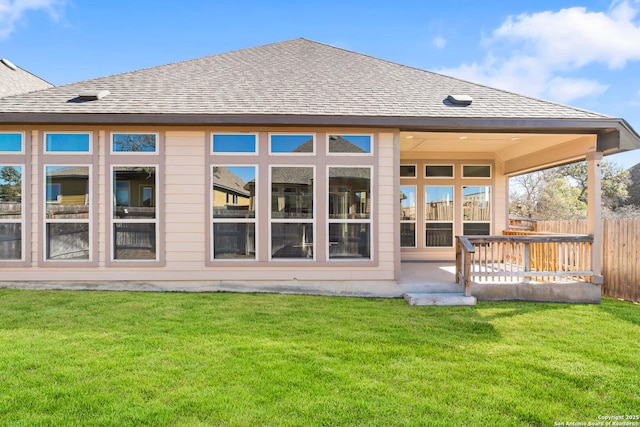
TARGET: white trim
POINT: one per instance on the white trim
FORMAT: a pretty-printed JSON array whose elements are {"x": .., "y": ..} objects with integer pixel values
[
  {"x": 311, "y": 134},
  {"x": 453, "y": 171},
  {"x": 312, "y": 220},
  {"x": 410, "y": 221},
  {"x": 347, "y": 154},
  {"x": 234, "y": 153},
  {"x": 462, "y": 166},
  {"x": 20, "y": 220},
  {"x": 136, "y": 153},
  {"x": 435, "y": 221},
  {"x": 22, "y": 143},
  {"x": 62, "y": 153},
  {"x": 491, "y": 208}
]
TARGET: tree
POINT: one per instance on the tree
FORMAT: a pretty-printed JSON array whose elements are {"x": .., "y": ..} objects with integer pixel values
[
  {"x": 10, "y": 184},
  {"x": 561, "y": 193}
]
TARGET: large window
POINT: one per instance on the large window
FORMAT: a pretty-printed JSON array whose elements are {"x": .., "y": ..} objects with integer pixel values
[
  {"x": 408, "y": 205},
  {"x": 11, "y": 214},
  {"x": 134, "y": 143},
  {"x": 476, "y": 210},
  {"x": 233, "y": 211},
  {"x": 292, "y": 212},
  {"x": 135, "y": 219},
  {"x": 349, "y": 212},
  {"x": 438, "y": 213},
  {"x": 68, "y": 213}
]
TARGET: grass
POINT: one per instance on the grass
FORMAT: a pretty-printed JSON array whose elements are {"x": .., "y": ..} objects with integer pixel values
[{"x": 165, "y": 359}]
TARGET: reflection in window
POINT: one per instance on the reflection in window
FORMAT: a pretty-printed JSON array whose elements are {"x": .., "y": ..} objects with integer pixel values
[
  {"x": 10, "y": 142},
  {"x": 238, "y": 143},
  {"x": 67, "y": 143},
  {"x": 476, "y": 210},
  {"x": 292, "y": 193},
  {"x": 439, "y": 234},
  {"x": 349, "y": 212},
  {"x": 439, "y": 171},
  {"x": 67, "y": 213},
  {"x": 233, "y": 211},
  {"x": 408, "y": 205},
  {"x": 476, "y": 171},
  {"x": 10, "y": 213},
  {"x": 294, "y": 144},
  {"x": 438, "y": 211},
  {"x": 350, "y": 144},
  {"x": 407, "y": 171},
  {"x": 134, "y": 213},
  {"x": 134, "y": 143}
]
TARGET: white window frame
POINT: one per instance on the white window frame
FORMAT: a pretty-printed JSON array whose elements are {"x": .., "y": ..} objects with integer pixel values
[
  {"x": 136, "y": 153},
  {"x": 491, "y": 207},
  {"x": 453, "y": 171},
  {"x": 412, "y": 221},
  {"x": 68, "y": 221},
  {"x": 490, "y": 166},
  {"x": 22, "y": 143},
  {"x": 311, "y": 134},
  {"x": 113, "y": 221},
  {"x": 312, "y": 220},
  {"x": 20, "y": 221},
  {"x": 68, "y": 153},
  {"x": 369, "y": 154},
  {"x": 234, "y": 153},
  {"x": 449, "y": 221},
  {"x": 254, "y": 220},
  {"x": 415, "y": 171},
  {"x": 350, "y": 220}
]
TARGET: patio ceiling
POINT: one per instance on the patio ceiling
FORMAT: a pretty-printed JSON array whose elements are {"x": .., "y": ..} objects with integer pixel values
[{"x": 519, "y": 152}]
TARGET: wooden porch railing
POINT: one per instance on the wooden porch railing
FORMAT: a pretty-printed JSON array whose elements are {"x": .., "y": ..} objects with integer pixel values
[{"x": 521, "y": 259}]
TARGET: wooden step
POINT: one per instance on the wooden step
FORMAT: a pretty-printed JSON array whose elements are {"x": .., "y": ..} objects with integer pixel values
[{"x": 442, "y": 298}]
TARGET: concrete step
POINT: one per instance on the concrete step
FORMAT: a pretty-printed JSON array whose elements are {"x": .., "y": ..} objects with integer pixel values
[{"x": 448, "y": 298}]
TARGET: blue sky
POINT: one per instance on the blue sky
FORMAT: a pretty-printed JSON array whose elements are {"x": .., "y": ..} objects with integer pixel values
[{"x": 582, "y": 53}]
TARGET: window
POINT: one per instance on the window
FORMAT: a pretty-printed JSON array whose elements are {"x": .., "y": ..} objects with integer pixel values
[
  {"x": 233, "y": 212},
  {"x": 134, "y": 143},
  {"x": 67, "y": 143},
  {"x": 349, "y": 212},
  {"x": 234, "y": 143},
  {"x": 476, "y": 210},
  {"x": 134, "y": 218},
  {"x": 438, "y": 213},
  {"x": 292, "y": 144},
  {"x": 349, "y": 144},
  {"x": 292, "y": 212},
  {"x": 408, "y": 206},
  {"x": 476, "y": 171},
  {"x": 68, "y": 212},
  {"x": 11, "y": 215},
  {"x": 407, "y": 171},
  {"x": 11, "y": 143},
  {"x": 438, "y": 171}
]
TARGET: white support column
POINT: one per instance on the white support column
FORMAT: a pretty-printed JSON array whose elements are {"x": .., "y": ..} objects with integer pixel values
[{"x": 594, "y": 212}]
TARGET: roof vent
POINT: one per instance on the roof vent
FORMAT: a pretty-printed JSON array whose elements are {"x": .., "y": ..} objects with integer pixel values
[
  {"x": 8, "y": 63},
  {"x": 93, "y": 95},
  {"x": 460, "y": 99}
]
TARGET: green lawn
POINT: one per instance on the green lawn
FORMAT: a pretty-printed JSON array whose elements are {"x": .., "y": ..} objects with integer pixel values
[{"x": 96, "y": 358}]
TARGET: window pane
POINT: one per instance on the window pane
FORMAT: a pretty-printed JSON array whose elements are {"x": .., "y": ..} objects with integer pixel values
[
  {"x": 134, "y": 241},
  {"x": 355, "y": 144},
  {"x": 476, "y": 171},
  {"x": 234, "y": 240},
  {"x": 408, "y": 202},
  {"x": 408, "y": 235},
  {"x": 10, "y": 192},
  {"x": 476, "y": 203},
  {"x": 349, "y": 193},
  {"x": 234, "y": 143},
  {"x": 292, "y": 192},
  {"x": 476, "y": 229},
  {"x": 67, "y": 143},
  {"x": 134, "y": 142},
  {"x": 11, "y": 142},
  {"x": 233, "y": 194},
  {"x": 407, "y": 171},
  {"x": 10, "y": 241},
  {"x": 291, "y": 240},
  {"x": 439, "y": 171},
  {"x": 67, "y": 192},
  {"x": 348, "y": 240},
  {"x": 134, "y": 192},
  {"x": 68, "y": 241},
  {"x": 439, "y": 203},
  {"x": 292, "y": 144},
  {"x": 439, "y": 234}
]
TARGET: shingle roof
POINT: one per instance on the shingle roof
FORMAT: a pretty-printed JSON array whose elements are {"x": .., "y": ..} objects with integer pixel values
[
  {"x": 14, "y": 81},
  {"x": 293, "y": 78}
]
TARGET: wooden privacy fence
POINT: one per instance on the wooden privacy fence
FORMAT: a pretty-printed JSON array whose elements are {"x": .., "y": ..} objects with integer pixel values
[
  {"x": 522, "y": 259},
  {"x": 620, "y": 253}
]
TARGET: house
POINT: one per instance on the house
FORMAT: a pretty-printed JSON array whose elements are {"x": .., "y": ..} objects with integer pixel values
[
  {"x": 289, "y": 167},
  {"x": 14, "y": 80}
]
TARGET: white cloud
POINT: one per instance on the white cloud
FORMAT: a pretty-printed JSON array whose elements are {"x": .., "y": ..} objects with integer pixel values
[
  {"x": 13, "y": 11},
  {"x": 537, "y": 53},
  {"x": 439, "y": 42}
]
